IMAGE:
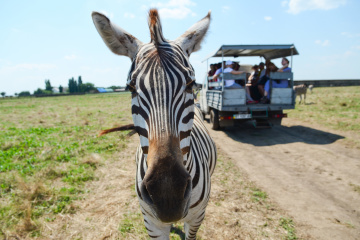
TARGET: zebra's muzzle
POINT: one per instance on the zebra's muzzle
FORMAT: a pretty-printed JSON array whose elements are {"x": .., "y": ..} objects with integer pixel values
[{"x": 167, "y": 205}]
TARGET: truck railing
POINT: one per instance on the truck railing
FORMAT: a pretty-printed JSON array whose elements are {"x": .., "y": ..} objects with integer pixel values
[
  {"x": 226, "y": 76},
  {"x": 281, "y": 75},
  {"x": 282, "y": 95}
]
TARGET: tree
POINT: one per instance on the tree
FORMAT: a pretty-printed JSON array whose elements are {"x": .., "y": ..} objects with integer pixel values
[
  {"x": 39, "y": 91},
  {"x": 80, "y": 85},
  {"x": 3, "y": 94},
  {"x": 48, "y": 86},
  {"x": 15, "y": 94},
  {"x": 115, "y": 87},
  {"x": 61, "y": 89},
  {"x": 87, "y": 87},
  {"x": 24, "y": 94},
  {"x": 73, "y": 86},
  {"x": 79, "y": 81}
]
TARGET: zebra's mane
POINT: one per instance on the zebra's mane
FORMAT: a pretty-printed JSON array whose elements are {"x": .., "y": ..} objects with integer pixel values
[{"x": 155, "y": 28}]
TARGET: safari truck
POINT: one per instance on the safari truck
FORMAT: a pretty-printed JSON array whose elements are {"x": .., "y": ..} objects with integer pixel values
[{"x": 228, "y": 107}]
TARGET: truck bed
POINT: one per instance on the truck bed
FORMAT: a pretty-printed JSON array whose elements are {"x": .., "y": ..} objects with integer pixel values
[{"x": 235, "y": 100}]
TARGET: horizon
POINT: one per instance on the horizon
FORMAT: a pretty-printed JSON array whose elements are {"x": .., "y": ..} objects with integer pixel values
[{"x": 58, "y": 40}]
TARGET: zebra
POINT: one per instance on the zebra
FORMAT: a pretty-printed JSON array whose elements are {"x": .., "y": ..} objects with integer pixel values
[
  {"x": 300, "y": 90},
  {"x": 176, "y": 156}
]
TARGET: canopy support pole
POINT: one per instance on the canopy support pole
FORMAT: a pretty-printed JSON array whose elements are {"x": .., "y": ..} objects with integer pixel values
[
  {"x": 222, "y": 64},
  {"x": 207, "y": 76},
  {"x": 292, "y": 49}
]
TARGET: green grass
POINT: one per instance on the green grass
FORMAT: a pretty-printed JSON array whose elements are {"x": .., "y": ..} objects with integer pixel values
[
  {"x": 133, "y": 224},
  {"x": 48, "y": 149},
  {"x": 288, "y": 225},
  {"x": 258, "y": 195},
  {"x": 334, "y": 107},
  {"x": 356, "y": 188}
]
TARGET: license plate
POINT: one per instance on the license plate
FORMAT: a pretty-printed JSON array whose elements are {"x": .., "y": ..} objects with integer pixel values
[{"x": 241, "y": 116}]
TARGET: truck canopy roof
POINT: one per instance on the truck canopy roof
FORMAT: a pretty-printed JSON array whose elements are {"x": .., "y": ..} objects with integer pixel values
[{"x": 265, "y": 51}]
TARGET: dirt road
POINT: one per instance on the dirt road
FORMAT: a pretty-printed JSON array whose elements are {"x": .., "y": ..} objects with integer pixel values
[{"x": 312, "y": 174}]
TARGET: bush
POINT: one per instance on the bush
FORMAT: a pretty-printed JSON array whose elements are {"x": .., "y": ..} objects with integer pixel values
[
  {"x": 40, "y": 91},
  {"x": 24, "y": 94}
]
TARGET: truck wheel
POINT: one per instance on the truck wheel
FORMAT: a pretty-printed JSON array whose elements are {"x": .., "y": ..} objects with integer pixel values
[
  {"x": 203, "y": 115},
  {"x": 214, "y": 119}
]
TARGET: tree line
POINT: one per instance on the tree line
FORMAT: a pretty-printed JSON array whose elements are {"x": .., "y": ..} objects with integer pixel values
[{"x": 74, "y": 86}]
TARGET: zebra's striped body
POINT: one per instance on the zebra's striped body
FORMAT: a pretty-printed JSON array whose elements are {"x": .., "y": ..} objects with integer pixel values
[{"x": 176, "y": 156}]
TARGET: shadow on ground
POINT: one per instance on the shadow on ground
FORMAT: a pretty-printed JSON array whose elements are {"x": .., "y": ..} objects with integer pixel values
[
  {"x": 246, "y": 133},
  {"x": 178, "y": 231}
]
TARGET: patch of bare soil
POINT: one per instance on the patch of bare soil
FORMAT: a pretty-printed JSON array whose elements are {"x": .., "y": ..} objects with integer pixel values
[
  {"x": 238, "y": 208},
  {"x": 313, "y": 174}
]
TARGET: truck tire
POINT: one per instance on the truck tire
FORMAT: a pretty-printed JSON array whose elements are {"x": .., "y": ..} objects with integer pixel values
[
  {"x": 203, "y": 115},
  {"x": 275, "y": 121},
  {"x": 214, "y": 119}
]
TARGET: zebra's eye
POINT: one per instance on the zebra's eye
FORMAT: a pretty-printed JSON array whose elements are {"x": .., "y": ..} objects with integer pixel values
[
  {"x": 131, "y": 88},
  {"x": 189, "y": 86}
]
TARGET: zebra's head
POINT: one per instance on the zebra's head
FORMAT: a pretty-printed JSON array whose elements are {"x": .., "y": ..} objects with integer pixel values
[{"x": 161, "y": 79}]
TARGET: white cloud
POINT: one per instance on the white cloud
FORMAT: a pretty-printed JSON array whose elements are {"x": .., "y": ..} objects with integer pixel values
[
  {"x": 129, "y": 15},
  {"x": 356, "y": 47},
  {"x": 284, "y": 3},
  {"x": 297, "y": 6},
  {"x": 176, "y": 9},
  {"x": 267, "y": 18},
  {"x": 324, "y": 43},
  {"x": 70, "y": 57},
  {"x": 225, "y": 8}
]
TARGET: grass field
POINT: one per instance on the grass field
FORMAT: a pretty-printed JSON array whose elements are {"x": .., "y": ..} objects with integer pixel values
[
  {"x": 334, "y": 107},
  {"x": 49, "y": 149}
]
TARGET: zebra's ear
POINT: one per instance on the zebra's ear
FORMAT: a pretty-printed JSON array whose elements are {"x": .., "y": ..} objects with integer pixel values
[
  {"x": 117, "y": 39},
  {"x": 191, "y": 40}
]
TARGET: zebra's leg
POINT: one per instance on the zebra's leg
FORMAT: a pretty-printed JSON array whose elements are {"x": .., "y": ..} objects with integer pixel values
[
  {"x": 192, "y": 227},
  {"x": 305, "y": 97},
  {"x": 300, "y": 95},
  {"x": 160, "y": 232}
]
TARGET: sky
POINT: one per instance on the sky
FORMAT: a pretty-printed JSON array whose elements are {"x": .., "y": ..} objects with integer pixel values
[{"x": 57, "y": 40}]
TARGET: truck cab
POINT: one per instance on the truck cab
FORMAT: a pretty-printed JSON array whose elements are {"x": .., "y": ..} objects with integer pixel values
[{"x": 229, "y": 107}]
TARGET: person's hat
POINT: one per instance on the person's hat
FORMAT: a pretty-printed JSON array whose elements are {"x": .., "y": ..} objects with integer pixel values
[
  {"x": 261, "y": 63},
  {"x": 229, "y": 62}
]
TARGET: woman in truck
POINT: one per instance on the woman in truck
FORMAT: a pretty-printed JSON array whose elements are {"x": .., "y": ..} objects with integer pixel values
[{"x": 278, "y": 83}]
